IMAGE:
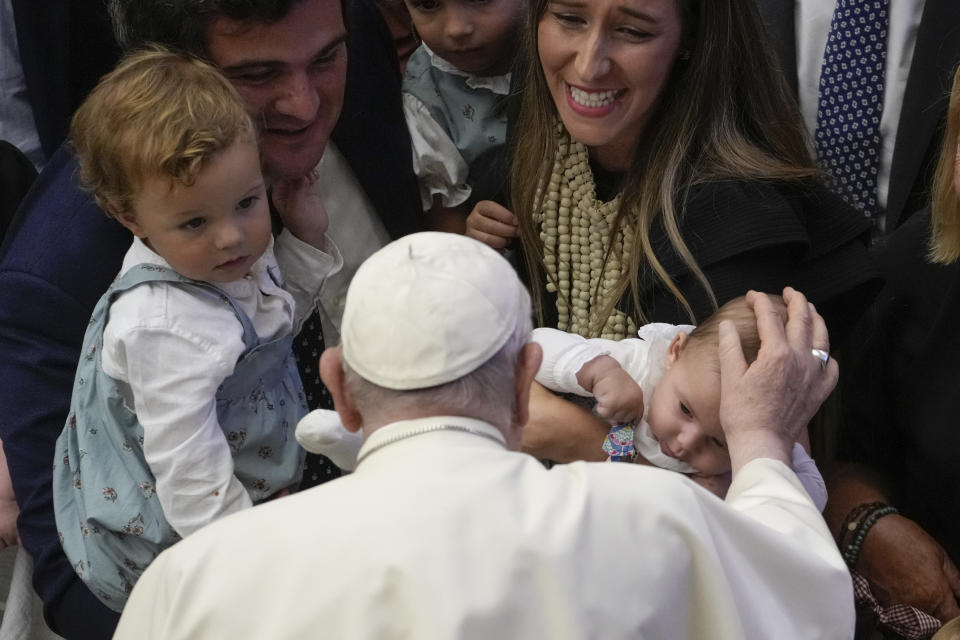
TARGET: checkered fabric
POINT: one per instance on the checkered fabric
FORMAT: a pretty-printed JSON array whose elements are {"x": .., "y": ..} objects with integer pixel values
[
  {"x": 851, "y": 100},
  {"x": 906, "y": 621}
]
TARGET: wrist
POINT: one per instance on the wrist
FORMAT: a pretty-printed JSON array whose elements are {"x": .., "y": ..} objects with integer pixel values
[
  {"x": 848, "y": 486},
  {"x": 763, "y": 443},
  {"x": 857, "y": 524},
  {"x": 594, "y": 369},
  {"x": 315, "y": 236}
]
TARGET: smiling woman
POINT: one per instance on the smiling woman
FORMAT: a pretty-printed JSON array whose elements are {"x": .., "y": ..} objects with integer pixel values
[
  {"x": 606, "y": 73},
  {"x": 660, "y": 169},
  {"x": 676, "y": 110}
]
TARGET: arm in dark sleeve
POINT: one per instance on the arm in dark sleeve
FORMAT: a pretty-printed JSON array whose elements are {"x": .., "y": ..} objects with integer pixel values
[
  {"x": 757, "y": 236},
  {"x": 769, "y": 270},
  {"x": 59, "y": 256}
]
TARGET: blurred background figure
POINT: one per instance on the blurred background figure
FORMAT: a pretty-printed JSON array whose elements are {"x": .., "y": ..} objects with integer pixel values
[
  {"x": 894, "y": 501},
  {"x": 405, "y": 37},
  {"x": 51, "y": 54}
]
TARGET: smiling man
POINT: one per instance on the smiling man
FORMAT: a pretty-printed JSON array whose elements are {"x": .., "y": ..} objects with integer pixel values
[
  {"x": 325, "y": 89},
  {"x": 292, "y": 73}
]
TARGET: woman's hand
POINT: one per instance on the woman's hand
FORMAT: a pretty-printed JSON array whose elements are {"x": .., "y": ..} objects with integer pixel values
[
  {"x": 301, "y": 209},
  {"x": 561, "y": 431},
  {"x": 492, "y": 224},
  {"x": 904, "y": 565}
]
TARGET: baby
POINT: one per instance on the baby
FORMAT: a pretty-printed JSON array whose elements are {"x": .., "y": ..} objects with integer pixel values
[
  {"x": 453, "y": 95},
  {"x": 186, "y": 393},
  {"x": 675, "y": 367},
  {"x": 662, "y": 391}
]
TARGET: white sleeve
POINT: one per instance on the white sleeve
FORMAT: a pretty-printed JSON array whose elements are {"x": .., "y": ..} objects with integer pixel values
[
  {"x": 564, "y": 354},
  {"x": 809, "y": 476},
  {"x": 763, "y": 571},
  {"x": 438, "y": 164},
  {"x": 321, "y": 431},
  {"x": 173, "y": 375},
  {"x": 305, "y": 269}
]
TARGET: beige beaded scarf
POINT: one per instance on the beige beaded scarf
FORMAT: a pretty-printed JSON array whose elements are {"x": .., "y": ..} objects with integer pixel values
[{"x": 575, "y": 231}]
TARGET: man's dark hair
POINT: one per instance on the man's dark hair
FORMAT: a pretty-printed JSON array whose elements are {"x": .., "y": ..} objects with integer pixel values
[{"x": 183, "y": 24}]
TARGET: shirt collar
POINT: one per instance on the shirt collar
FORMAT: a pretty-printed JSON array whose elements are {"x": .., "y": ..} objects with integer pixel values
[
  {"x": 499, "y": 85},
  {"x": 404, "y": 430},
  {"x": 140, "y": 253}
]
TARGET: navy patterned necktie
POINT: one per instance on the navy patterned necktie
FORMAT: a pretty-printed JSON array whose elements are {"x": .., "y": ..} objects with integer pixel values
[
  {"x": 851, "y": 100},
  {"x": 307, "y": 347}
]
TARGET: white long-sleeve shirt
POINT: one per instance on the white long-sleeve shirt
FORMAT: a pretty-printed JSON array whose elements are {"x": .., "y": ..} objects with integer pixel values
[{"x": 170, "y": 348}]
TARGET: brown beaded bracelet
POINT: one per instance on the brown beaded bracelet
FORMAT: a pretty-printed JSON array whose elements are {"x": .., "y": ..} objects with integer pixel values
[
  {"x": 859, "y": 527},
  {"x": 852, "y": 520}
]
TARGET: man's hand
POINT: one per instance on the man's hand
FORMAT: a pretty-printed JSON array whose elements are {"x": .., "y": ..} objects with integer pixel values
[
  {"x": 619, "y": 397},
  {"x": 302, "y": 210},
  {"x": 904, "y": 565},
  {"x": 492, "y": 224},
  {"x": 764, "y": 407}
]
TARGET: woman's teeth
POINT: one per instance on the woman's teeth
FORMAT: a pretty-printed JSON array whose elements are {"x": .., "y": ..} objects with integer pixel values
[{"x": 592, "y": 99}]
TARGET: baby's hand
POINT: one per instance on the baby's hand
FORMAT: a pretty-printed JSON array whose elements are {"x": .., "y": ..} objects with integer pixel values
[
  {"x": 619, "y": 397},
  {"x": 492, "y": 224},
  {"x": 301, "y": 209}
]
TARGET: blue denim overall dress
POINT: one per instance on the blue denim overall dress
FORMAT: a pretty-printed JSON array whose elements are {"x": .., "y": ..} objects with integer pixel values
[{"x": 108, "y": 517}]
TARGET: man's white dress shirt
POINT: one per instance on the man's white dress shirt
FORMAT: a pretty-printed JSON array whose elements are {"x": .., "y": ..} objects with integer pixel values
[{"x": 354, "y": 227}]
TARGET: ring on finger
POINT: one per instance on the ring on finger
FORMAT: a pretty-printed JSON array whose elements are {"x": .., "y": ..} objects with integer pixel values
[{"x": 822, "y": 356}]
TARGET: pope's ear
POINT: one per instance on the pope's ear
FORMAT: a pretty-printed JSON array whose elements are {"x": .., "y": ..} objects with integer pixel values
[{"x": 334, "y": 378}]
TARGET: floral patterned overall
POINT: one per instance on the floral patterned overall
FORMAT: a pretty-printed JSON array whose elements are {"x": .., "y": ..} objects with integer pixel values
[{"x": 108, "y": 517}]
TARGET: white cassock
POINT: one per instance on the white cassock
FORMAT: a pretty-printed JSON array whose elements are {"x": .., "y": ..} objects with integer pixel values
[{"x": 444, "y": 534}]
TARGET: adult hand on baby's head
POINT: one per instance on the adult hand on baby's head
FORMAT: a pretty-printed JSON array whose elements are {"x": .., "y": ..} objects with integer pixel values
[
  {"x": 492, "y": 224},
  {"x": 764, "y": 407},
  {"x": 301, "y": 209}
]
